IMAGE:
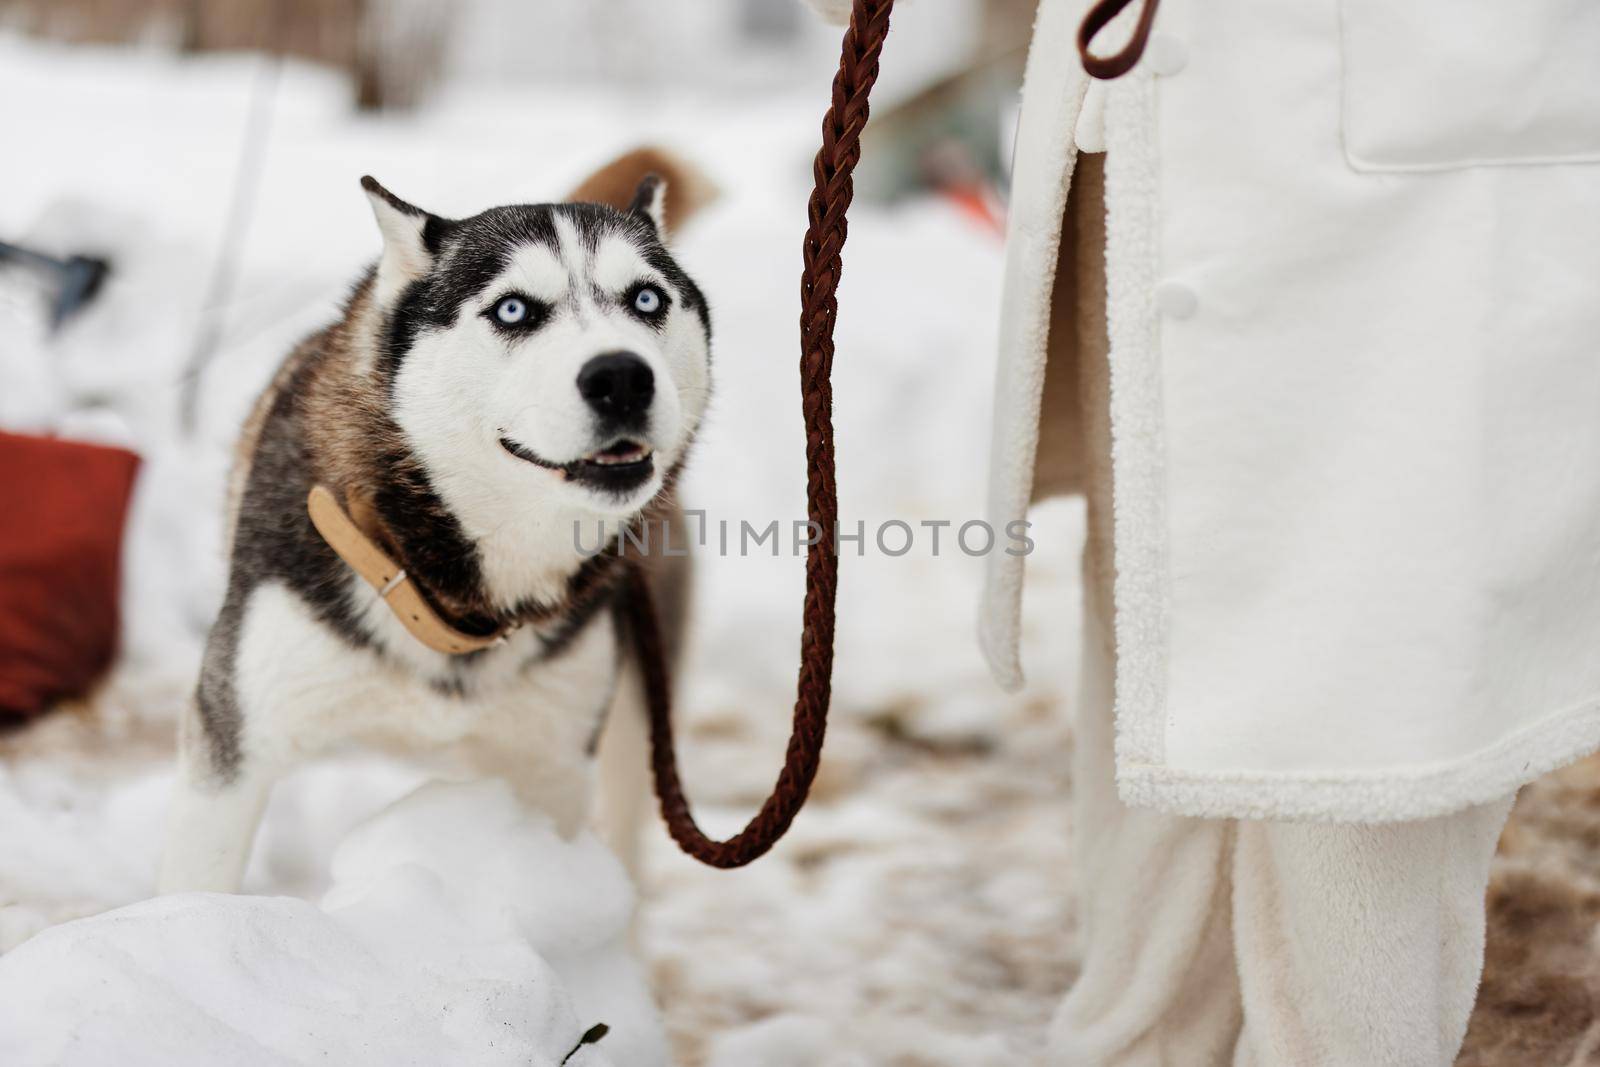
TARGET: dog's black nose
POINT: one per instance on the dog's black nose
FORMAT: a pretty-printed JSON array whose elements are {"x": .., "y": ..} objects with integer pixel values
[{"x": 619, "y": 386}]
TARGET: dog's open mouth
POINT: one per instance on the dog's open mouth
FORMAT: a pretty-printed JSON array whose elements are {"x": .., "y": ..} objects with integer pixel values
[{"x": 620, "y": 467}]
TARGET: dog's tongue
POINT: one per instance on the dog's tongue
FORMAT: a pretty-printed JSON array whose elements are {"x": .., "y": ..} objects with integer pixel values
[{"x": 621, "y": 452}]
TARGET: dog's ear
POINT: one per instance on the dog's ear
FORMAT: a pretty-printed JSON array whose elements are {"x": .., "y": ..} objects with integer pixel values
[
  {"x": 408, "y": 233},
  {"x": 650, "y": 200}
]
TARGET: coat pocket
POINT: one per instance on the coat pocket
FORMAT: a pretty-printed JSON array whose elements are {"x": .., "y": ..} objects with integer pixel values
[{"x": 1446, "y": 84}]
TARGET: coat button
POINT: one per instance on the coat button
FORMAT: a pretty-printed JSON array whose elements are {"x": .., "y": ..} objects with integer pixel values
[
  {"x": 1166, "y": 55},
  {"x": 1176, "y": 300}
]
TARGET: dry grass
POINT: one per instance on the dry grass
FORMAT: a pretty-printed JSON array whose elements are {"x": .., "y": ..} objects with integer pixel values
[{"x": 1539, "y": 1005}]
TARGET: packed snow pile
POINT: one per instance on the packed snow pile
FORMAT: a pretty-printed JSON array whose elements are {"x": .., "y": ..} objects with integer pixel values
[{"x": 459, "y": 929}]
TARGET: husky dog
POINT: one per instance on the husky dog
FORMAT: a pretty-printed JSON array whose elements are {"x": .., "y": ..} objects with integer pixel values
[{"x": 499, "y": 390}]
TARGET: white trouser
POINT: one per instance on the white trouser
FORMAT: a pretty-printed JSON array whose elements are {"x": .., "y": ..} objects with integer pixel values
[
  {"x": 1264, "y": 944},
  {"x": 1257, "y": 944}
]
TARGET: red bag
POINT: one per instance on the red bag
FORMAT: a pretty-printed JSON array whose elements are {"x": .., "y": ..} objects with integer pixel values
[{"x": 62, "y": 508}]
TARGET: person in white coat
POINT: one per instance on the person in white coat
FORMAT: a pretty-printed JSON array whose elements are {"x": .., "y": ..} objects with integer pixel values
[{"x": 1307, "y": 303}]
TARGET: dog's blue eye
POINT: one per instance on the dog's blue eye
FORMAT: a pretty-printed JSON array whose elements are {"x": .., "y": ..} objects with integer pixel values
[
  {"x": 511, "y": 310},
  {"x": 647, "y": 301}
]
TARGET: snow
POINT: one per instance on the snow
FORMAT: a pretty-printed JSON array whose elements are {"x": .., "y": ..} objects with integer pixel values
[
  {"x": 430, "y": 948},
  {"x": 918, "y": 914}
]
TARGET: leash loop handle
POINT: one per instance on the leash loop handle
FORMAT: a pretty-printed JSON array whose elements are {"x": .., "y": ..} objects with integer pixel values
[
  {"x": 1100, "y": 15},
  {"x": 819, "y": 283}
]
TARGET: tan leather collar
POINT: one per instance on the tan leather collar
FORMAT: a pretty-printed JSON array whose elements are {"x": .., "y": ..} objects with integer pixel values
[{"x": 390, "y": 579}]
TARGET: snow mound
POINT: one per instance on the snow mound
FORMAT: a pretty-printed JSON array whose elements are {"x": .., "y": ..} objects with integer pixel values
[{"x": 460, "y": 929}]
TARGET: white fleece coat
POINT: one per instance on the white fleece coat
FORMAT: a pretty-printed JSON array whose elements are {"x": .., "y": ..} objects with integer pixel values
[{"x": 1353, "y": 284}]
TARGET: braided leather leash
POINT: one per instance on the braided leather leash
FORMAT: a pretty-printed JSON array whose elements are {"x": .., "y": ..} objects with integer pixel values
[{"x": 819, "y": 282}]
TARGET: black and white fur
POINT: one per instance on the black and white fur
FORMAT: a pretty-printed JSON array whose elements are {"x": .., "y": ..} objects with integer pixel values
[{"x": 493, "y": 383}]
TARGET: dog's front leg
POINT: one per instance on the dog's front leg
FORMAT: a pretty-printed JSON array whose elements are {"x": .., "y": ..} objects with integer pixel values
[
  {"x": 622, "y": 770},
  {"x": 212, "y": 822}
]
